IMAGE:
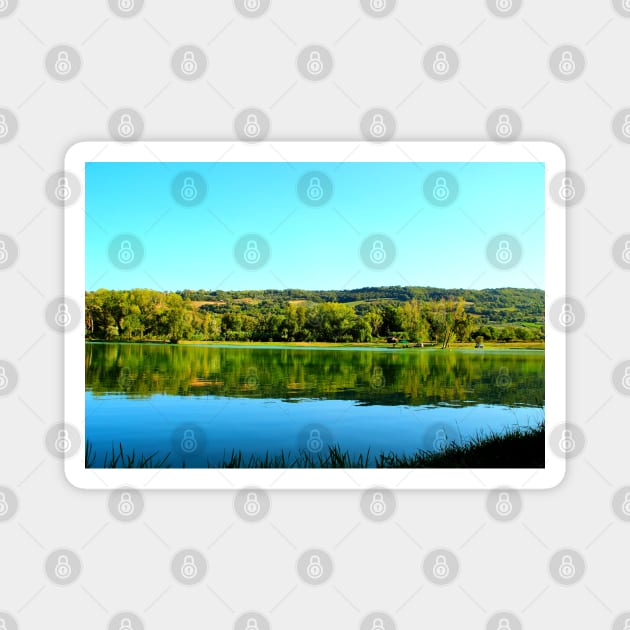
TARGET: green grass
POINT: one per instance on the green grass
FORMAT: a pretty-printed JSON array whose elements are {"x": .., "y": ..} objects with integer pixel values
[
  {"x": 118, "y": 458},
  {"x": 381, "y": 343},
  {"x": 516, "y": 447}
]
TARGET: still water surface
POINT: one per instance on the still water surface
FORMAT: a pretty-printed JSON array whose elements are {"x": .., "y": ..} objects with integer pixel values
[{"x": 171, "y": 398}]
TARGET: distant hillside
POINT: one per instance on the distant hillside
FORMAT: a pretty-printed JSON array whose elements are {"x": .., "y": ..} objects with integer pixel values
[{"x": 491, "y": 306}]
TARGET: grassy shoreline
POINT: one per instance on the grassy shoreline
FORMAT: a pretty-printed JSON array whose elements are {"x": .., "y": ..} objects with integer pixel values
[
  {"x": 516, "y": 447},
  {"x": 496, "y": 345}
]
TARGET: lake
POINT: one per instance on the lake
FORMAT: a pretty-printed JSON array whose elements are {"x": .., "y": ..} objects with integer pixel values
[{"x": 197, "y": 404}]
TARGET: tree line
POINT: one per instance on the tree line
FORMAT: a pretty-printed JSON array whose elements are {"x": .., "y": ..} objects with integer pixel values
[
  {"x": 145, "y": 314},
  {"x": 505, "y": 305}
]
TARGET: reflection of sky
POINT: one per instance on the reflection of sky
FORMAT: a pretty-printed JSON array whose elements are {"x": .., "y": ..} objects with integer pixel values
[
  {"x": 258, "y": 426},
  {"x": 314, "y": 247}
]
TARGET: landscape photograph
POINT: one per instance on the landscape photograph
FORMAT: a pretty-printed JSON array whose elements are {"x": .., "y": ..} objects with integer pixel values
[{"x": 314, "y": 315}]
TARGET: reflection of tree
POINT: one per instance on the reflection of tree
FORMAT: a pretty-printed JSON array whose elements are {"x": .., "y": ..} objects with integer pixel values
[{"x": 406, "y": 377}]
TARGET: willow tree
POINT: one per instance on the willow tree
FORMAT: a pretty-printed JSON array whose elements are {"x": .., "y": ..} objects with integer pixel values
[{"x": 450, "y": 318}]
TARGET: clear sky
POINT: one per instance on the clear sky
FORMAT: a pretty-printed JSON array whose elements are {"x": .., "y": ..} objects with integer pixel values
[{"x": 192, "y": 247}]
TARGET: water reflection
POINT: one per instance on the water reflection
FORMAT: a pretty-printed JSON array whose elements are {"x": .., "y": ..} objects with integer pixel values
[{"x": 412, "y": 377}]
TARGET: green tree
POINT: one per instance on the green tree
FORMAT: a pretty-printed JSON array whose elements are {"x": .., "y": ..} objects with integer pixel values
[
  {"x": 361, "y": 331},
  {"x": 374, "y": 319},
  {"x": 414, "y": 321}
]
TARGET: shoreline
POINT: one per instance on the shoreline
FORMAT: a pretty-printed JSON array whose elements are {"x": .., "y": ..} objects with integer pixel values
[
  {"x": 515, "y": 447},
  {"x": 510, "y": 345}
]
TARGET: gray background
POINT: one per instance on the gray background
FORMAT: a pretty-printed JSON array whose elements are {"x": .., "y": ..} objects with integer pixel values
[{"x": 378, "y": 63}]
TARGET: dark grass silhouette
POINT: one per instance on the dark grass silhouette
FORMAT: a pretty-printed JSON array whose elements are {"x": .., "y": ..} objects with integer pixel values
[{"x": 516, "y": 447}]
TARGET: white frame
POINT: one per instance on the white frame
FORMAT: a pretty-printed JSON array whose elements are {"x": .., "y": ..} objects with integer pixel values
[{"x": 325, "y": 151}]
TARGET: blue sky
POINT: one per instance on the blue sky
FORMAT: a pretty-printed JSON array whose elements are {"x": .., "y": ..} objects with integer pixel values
[{"x": 192, "y": 247}]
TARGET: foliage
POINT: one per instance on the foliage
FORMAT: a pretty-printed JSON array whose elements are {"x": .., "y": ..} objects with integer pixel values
[{"x": 420, "y": 314}]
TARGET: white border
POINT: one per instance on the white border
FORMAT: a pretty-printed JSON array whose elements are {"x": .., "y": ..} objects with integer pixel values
[{"x": 555, "y": 272}]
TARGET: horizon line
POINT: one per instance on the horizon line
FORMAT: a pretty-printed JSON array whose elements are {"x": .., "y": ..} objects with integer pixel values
[{"x": 392, "y": 286}]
